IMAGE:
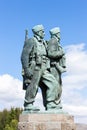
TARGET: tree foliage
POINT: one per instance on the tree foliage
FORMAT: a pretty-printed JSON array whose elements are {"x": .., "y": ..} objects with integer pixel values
[{"x": 9, "y": 119}]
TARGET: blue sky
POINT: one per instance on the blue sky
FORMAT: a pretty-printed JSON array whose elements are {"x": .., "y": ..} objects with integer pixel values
[
  {"x": 71, "y": 17},
  {"x": 17, "y": 15}
]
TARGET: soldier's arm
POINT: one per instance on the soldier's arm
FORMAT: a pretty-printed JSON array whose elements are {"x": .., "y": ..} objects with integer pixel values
[
  {"x": 25, "y": 56},
  {"x": 52, "y": 49},
  {"x": 55, "y": 54}
]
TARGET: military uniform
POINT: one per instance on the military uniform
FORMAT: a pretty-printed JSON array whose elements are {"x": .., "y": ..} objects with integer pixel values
[
  {"x": 40, "y": 75},
  {"x": 57, "y": 61}
]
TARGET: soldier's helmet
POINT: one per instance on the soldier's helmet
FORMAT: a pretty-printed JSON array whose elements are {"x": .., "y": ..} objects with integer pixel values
[
  {"x": 37, "y": 28},
  {"x": 54, "y": 31}
]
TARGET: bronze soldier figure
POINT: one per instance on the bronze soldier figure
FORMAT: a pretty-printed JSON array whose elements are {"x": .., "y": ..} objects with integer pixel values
[
  {"x": 57, "y": 61},
  {"x": 36, "y": 66}
]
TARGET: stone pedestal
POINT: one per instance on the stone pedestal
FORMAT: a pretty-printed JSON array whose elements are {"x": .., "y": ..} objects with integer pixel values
[{"x": 46, "y": 122}]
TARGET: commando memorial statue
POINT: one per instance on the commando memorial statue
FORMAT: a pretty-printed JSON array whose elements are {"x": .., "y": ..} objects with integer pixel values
[{"x": 43, "y": 62}]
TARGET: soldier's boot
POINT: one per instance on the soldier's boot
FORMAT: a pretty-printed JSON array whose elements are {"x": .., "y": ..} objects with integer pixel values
[
  {"x": 52, "y": 107},
  {"x": 29, "y": 107},
  {"x": 59, "y": 105},
  {"x": 55, "y": 108}
]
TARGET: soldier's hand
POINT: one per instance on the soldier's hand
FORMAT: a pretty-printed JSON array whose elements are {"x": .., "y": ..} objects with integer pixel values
[{"x": 61, "y": 53}]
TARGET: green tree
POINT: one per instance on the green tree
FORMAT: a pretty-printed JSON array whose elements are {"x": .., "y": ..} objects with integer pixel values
[
  {"x": 7, "y": 127},
  {"x": 3, "y": 118},
  {"x": 12, "y": 126},
  {"x": 9, "y": 119}
]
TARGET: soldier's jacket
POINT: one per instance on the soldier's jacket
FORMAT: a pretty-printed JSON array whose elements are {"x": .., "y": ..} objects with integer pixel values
[
  {"x": 33, "y": 54},
  {"x": 25, "y": 60},
  {"x": 26, "y": 54},
  {"x": 55, "y": 51}
]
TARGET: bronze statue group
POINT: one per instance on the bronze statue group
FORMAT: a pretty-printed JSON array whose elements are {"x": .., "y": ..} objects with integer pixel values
[{"x": 43, "y": 62}]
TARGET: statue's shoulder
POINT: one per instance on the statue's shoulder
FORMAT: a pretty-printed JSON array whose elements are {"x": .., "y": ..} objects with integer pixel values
[
  {"x": 52, "y": 41},
  {"x": 31, "y": 40},
  {"x": 29, "y": 43}
]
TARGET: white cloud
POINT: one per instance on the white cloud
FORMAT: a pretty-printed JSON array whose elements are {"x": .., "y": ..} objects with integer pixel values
[
  {"x": 76, "y": 59},
  {"x": 75, "y": 80},
  {"x": 76, "y": 110},
  {"x": 11, "y": 94},
  {"x": 74, "y": 97}
]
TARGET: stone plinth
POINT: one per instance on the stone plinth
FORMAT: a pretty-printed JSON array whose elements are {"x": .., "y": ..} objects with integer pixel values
[{"x": 46, "y": 122}]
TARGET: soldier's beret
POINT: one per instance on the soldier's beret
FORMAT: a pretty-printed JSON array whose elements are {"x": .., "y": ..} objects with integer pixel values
[
  {"x": 54, "y": 30},
  {"x": 37, "y": 28}
]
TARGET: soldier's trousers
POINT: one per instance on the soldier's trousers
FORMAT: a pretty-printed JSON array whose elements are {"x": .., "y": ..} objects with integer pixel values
[
  {"x": 57, "y": 75},
  {"x": 43, "y": 76}
]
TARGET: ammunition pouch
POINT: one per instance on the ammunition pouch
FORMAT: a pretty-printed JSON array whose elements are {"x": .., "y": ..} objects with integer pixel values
[
  {"x": 38, "y": 60},
  {"x": 44, "y": 59},
  {"x": 41, "y": 59}
]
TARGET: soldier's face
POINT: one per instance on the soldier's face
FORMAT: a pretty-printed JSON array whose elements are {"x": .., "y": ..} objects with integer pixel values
[
  {"x": 41, "y": 34},
  {"x": 58, "y": 35}
]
